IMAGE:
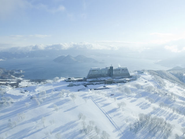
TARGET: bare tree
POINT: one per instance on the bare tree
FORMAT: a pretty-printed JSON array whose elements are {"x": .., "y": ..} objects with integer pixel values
[
  {"x": 80, "y": 115},
  {"x": 105, "y": 135},
  {"x": 183, "y": 130},
  {"x": 73, "y": 96},
  {"x": 97, "y": 130}
]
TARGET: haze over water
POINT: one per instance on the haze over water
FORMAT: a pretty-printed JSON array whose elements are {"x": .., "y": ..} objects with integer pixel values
[{"x": 46, "y": 68}]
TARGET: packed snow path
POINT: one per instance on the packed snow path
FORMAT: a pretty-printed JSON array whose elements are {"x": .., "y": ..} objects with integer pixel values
[{"x": 108, "y": 117}]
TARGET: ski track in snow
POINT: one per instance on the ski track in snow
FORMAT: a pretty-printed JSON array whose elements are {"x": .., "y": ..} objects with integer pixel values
[{"x": 108, "y": 117}]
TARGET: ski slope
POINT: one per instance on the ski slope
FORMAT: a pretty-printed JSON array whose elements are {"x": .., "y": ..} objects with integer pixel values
[{"x": 149, "y": 107}]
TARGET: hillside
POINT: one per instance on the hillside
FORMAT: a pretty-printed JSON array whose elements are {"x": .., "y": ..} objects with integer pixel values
[
  {"x": 150, "y": 107},
  {"x": 78, "y": 59},
  {"x": 65, "y": 59},
  {"x": 179, "y": 73},
  {"x": 82, "y": 58}
]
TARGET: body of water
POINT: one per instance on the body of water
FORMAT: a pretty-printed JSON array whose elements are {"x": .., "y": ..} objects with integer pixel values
[{"x": 46, "y": 68}]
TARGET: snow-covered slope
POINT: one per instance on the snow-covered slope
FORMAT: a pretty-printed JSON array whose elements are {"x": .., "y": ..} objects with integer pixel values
[
  {"x": 179, "y": 73},
  {"x": 150, "y": 107}
]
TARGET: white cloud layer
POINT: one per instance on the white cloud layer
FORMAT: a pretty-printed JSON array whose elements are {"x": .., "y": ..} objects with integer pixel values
[
  {"x": 162, "y": 38},
  {"x": 46, "y": 8},
  {"x": 39, "y": 36}
]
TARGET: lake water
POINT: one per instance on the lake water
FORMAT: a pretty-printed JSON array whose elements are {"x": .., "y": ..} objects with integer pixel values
[{"x": 46, "y": 68}]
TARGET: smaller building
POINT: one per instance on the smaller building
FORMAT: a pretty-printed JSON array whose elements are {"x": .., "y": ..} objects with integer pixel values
[{"x": 109, "y": 81}]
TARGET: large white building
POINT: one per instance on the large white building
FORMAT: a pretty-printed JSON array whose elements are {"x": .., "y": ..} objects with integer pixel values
[{"x": 108, "y": 72}]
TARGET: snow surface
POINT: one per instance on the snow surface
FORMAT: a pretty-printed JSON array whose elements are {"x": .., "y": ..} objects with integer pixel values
[{"x": 150, "y": 107}]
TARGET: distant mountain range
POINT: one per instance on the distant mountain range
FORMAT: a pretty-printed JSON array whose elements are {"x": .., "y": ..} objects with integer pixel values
[
  {"x": 178, "y": 72},
  {"x": 177, "y": 61},
  {"x": 77, "y": 59}
]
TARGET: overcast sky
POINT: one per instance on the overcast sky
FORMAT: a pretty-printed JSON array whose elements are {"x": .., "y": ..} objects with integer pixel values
[{"x": 143, "y": 24}]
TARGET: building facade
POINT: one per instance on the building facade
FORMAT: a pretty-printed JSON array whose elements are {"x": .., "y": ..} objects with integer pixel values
[{"x": 108, "y": 72}]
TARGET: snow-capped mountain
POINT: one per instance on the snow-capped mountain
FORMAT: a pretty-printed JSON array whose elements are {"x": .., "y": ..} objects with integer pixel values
[{"x": 152, "y": 106}]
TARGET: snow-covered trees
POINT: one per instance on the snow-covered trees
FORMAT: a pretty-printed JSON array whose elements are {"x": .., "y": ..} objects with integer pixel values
[
  {"x": 42, "y": 95},
  {"x": 115, "y": 99},
  {"x": 36, "y": 99},
  {"x": 127, "y": 90},
  {"x": 183, "y": 130},
  {"x": 72, "y": 96},
  {"x": 65, "y": 93},
  {"x": 58, "y": 136},
  {"x": 152, "y": 125},
  {"x": 2, "y": 91},
  {"x": 21, "y": 116},
  {"x": 81, "y": 116},
  {"x": 27, "y": 104},
  {"x": 138, "y": 86},
  {"x": 149, "y": 88},
  {"x": 56, "y": 79},
  {"x": 177, "y": 136},
  {"x": 43, "y": 120},
  {"x": 105, "y": 135},
  {"x": 97, "y": 130},
  {"x": 124, "y": 89},
  {"x": 6, "y": 101},
  {"x": 11, "y": 123},
  {"x": 160, "y": 82},
  {"x": 55, "y": 107},
  {"x": 61, "y": 94},
  {"x": 52, "y": 122},
  {"x": 121, "y": 105},
  {"x": 91, "y": 130}
]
